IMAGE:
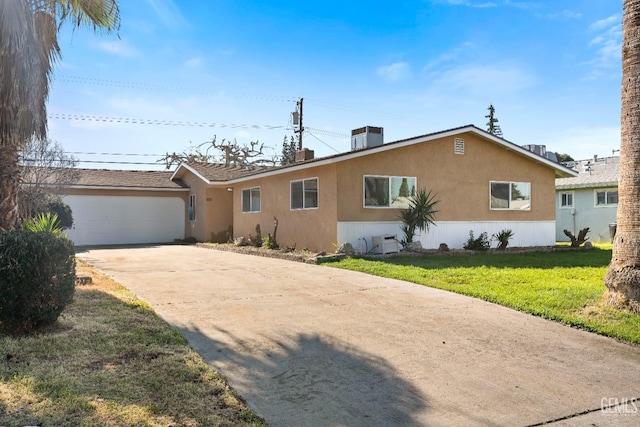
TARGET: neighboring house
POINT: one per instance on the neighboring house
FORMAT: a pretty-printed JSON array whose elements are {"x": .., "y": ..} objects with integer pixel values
[
  {"x": 125, "y": 207},
  {"x": 484, "y": 183},
  {"x": 589, "y": 199}
]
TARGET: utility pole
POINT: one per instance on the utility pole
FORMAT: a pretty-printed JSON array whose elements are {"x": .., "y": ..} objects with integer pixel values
[{"x": 300, "y": 127}]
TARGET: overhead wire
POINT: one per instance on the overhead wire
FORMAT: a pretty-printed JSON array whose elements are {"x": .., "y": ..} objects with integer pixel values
[
  {"x": 309, "y": 133},
  {"x": 139, "y": 121}
]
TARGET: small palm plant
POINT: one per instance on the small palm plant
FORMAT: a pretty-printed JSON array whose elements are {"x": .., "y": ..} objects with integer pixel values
[
  {"x": 419, "y": 215},
  {"x": 503, "y": 238},
  {"x": 43, "y": 223}
]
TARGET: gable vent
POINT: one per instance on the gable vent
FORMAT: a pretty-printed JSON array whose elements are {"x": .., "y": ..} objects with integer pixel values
[{"x": 458, "y": 146}]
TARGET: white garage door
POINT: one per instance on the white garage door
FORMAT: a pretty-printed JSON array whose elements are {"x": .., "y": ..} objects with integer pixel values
[{"x": 115, "y": 220}]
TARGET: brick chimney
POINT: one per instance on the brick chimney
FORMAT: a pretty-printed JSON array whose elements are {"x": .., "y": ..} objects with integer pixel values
[{"x": 304, "y": 155}]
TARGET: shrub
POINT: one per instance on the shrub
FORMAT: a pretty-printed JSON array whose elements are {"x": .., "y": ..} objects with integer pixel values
[
  {"x": 37, "y": 279},
  {"x": 44, "y": 222},
  {"x": 481, "y": 243},
  {"x": 419, "y": 215},
  {"x": 63, "y": 210},
  {"x": 503, "y": 238}
]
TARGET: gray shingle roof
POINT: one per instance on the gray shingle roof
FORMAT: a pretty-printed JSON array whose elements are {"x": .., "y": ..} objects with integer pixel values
[
  {"x": 125, "y": 179},
  {"x": 592, "y": 173},
  {"x": 220, "y": 172}
]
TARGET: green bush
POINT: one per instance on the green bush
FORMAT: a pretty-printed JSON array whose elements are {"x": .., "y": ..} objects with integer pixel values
[
  {"x": 481, "y": 243},
  {"x": 37, "y": 279},
  {"x": 63, "y": 211}
]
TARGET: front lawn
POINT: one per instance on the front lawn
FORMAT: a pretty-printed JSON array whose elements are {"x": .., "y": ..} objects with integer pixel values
[
  {"x": 111, "y": 361},
  {"x": 565, "y": 286}
]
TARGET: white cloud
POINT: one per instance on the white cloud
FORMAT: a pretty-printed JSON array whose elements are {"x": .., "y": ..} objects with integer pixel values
[
  {"x": 117, "y": 48},
  {"x": 605, "y": 23},
  {"x": 169, "y": 14},
  {"x": 470, "y": 3},
  {"x": 608, "y": 46},
  {"x": 193, "y": 62},
  {"x": 395, "y": 72},
  {"x": 447, "y": 57},
  {"x": 486, "y": 79},
  {"x": 563, "y": 14}
]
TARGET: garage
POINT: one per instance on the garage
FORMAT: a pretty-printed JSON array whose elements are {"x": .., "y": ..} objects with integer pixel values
[
  {"x": 113, "y": 220},
  {"x": 125, "y": 207}
]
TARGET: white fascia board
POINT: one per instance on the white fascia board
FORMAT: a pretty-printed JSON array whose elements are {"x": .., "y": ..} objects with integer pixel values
[
  {"x": 607, "y": 184},
  {"x": 407, "y": 142},
  {"x": 190, "y": 169},
  {"x": 98, "y": 187}
]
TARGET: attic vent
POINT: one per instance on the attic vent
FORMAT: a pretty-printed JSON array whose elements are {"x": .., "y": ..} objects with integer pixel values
[{"x": 458, "y": 146}]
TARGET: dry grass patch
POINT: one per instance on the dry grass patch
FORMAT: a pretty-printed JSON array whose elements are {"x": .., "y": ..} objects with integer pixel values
[{"x": 110, "y": 361}]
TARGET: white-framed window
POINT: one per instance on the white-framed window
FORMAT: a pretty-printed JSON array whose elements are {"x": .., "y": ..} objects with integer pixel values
[
  {"x": 606, "y": 197},
  {"x": 304, "y": 194},
  {"x": 388, "y": 191},
  {"x": 566, "y": 199},
  {"x": 510, "y": 195},
  {"x": 251, "y": 199},
  {"x": 192, "y": 207}
]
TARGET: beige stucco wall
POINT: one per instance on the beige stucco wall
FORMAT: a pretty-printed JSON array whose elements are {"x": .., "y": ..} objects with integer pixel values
[
  {"x": 309, "y": 228},
  {"x": 214, "y": 213},
  {"x": 461, "y": 181}
]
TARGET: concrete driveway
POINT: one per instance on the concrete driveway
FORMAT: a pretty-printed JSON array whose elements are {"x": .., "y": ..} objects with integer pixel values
[{"x": 308, "y": 345}]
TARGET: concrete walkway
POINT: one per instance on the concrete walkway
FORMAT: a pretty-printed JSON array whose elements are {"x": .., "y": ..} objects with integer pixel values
[{"x": 308, "y": 345}]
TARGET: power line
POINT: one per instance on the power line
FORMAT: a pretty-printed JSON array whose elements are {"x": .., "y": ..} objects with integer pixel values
[
  {"x": 163, "y": 88},
  {"x": 114, "y": 154},
  {"x": 159, "y": 122},
  {"x": 323, "y": 142},
  {"x": 329, "y": 133},
  {"x": 277, "y": 98}
]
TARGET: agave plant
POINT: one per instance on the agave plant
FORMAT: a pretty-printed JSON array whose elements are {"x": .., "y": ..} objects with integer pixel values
[
  {"x": 419, "y": 215},
  {"x": 45, "y": 222},
  {"x": 503, "y": 238}
]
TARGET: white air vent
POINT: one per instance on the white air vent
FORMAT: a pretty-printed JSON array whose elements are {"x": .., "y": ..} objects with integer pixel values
[
  {"x": 458, "y": 146},
  {"x": 366, "y": 137}
]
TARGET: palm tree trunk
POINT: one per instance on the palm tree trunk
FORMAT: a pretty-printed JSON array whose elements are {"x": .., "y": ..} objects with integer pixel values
[
  {"x": 623, "y": 276},
  {"x": 9, "y": 181}
]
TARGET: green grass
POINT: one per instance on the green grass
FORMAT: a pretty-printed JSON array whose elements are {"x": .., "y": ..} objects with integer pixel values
[
  {"x": 564, "y": 286},
  {"x": 111, "y": 361}
]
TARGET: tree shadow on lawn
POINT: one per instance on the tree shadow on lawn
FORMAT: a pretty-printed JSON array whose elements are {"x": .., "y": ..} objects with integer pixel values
[
  {"x": 541, "y": 260},
  {"x": 104, "y": 371},
  {"x": 311, "y": 380}
]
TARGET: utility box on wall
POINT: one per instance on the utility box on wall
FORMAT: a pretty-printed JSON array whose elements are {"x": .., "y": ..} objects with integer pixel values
[{"x": 387, "y": 244}]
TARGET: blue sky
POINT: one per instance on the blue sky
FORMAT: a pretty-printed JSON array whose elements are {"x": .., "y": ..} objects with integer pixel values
[{"x": 551, "y": 68}]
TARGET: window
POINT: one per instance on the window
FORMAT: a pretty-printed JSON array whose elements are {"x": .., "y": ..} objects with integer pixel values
[
  {"x": 388, "y": 192},
  {"x": 566, "y": 200},
  {"x": 251, "y": 200},
  {"x": 304, "y": 194},
  {"x": 192, "y": 207},
  {"x": 511, "y": 195},
  {"x": 606, "y": 197}
]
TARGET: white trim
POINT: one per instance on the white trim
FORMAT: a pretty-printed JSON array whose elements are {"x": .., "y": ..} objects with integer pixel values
[
  {"x": 99, "y": 187},
  {"x": 453, "y": 233},
  {"x": 604, "y": 190},
  {"x": 573, "y": 200},
  {"x": 510, "y": 201},
  {"x": 317, "y": 193},
  {"x": 192, "y": 196},
  {"x": 190, "y": 169},
  {"x": 389, "y": 177},
  {"x": 242, "y": 200},
  {"x": 407, "y": 142}
]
